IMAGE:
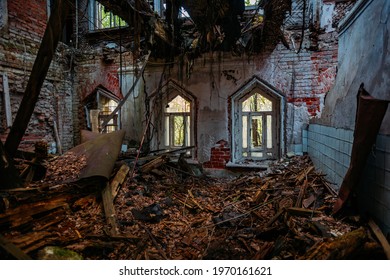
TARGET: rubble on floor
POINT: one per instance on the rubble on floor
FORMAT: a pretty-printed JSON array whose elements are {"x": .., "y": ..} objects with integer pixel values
[{"x": 164, "y": 210}]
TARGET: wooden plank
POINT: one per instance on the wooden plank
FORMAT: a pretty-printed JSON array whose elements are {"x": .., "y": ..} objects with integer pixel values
[
  {"x": 12, "y": 249},
  {"x": 304, "y": 174},
  {"x": 382, "y": 239},
  {"x": 24, "y": 214},
  {"x": 301, "y": 194},
  {"x": 41, "y": 65},
  {"x": 343, "y": 247},
  {"x": 7, "y": 101},
  {"x": 147, "y": 167},
  {"x": 109, "y": 210},
  {"x": 119, "y": 179},
  {"x": 302, "y": 211}
]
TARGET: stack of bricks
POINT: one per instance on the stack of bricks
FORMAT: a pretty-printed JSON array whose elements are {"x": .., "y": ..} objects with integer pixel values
[{"x": 220, "y": 155}]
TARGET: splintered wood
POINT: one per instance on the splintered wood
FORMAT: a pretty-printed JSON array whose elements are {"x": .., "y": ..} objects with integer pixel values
[{"x": 283, "y": 213}]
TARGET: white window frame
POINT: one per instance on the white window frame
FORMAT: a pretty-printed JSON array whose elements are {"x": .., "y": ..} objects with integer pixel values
[
  {"x": 170, "y": 126},
  {"x": 259, "y": 86},
  {"x": 267, "y": 152},
  {"x": 161, "y": 98}
]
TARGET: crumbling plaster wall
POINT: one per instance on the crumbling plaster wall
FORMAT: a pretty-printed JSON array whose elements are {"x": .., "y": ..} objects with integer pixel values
[
  {"x": 363, "y": 58},
  {"x": 303, "y": 79},
  {"x": 103, "y": 59},
  {"x": 19, "y": 44},
  {"x": 303, "y": 75}
]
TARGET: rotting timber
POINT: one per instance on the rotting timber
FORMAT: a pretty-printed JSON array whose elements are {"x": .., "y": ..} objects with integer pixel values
[{"x": 161, "y": 211}]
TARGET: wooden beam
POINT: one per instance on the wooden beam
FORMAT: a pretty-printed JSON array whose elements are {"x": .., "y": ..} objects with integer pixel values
[
  {"x": 119, "y": 179},
  {"x": 382, "y": 239},
  {"x": 41, "y": 65},
  {"x": 109, "y": 210},
  {"x": 12, "y": 249}
]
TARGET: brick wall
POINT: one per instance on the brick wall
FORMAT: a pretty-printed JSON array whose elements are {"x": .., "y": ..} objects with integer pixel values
[
  {"x": 305, "y": 77},
  {"x": 27, "y": 19},
  {"x": 220, "y": 155},
  {"x": 19, "y": 44}
]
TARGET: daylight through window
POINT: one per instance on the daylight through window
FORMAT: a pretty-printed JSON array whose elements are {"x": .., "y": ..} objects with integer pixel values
[
  {"x": 177, "y": 123},
  {"x": 102, "y": 18}
]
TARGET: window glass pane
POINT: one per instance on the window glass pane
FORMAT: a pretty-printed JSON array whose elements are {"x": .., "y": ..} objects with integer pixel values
[
  {"x": 255, "y": 154},
  {"x": 166, "y": 131},
  {"x": 256, "y": 103},
  {"x": 257, "y": 132},
  {"x": 178, "y": 131},
  {"x": 178, "y": 105},
  {"x": 244, "y": 132},
  {"x": 269, "y": 132},
  {"x": 188, "y": 130}
]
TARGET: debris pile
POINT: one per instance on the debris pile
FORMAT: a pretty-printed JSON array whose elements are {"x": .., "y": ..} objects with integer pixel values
[
  {"x": 163, "y": 209},
  {"x": 66, "y": 167}
]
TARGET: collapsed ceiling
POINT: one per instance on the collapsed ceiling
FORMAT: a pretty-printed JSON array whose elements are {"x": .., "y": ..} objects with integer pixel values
[{"x": 212, "y": 25}]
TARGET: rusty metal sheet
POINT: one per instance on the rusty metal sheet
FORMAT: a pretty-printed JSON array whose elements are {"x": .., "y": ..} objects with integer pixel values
[
  {"x": 369, "y": 116},
  {"x": 101, "y": 152},
  {"x": 87, "y": 135}
]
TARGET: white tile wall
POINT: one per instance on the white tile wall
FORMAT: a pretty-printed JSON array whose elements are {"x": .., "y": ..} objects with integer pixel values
[{"x": 330, "y": 150}]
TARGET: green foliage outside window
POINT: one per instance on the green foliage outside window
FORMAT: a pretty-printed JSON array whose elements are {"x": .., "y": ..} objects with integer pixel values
[{"x": 106, "y": 19}]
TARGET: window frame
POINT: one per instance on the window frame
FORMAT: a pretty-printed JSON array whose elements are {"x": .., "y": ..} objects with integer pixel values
[
  {"x": 94, "y": 20},
  {"x": 278, "y": 126},
  {"x": 171, "y": 117},
  {"x": 248, "y": 148}
]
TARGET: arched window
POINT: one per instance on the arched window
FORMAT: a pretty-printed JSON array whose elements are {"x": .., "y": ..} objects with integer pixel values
[
  {"x": 256, "y": 128},
  {"x": 174, "y": 118},
  {"x": 177, "y": 125}
]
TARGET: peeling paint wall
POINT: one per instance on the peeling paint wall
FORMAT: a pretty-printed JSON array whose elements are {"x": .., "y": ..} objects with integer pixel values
[
  {"x": 303, "y": 75},
  {"x": 363, "y": 58},
  {"x": 19, "y": 43},
  {"x": 103, "y": 59}
]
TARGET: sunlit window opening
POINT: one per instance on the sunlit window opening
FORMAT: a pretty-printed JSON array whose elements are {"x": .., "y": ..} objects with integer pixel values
[
  {"x": 100, "y": 18},
  {"x": 256, "y": 126},
  {"x": 177, "y": 123}
]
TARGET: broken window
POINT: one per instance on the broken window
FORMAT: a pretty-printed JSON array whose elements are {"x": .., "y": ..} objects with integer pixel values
[
  {"x": 98, "y": 107},
  {"x": 100, "y": 18},
  {"x": 177, "y": 124}
]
